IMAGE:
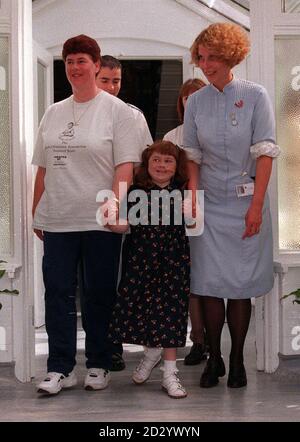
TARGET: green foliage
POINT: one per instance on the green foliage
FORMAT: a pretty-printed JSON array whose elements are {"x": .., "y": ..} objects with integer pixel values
[
  {"x": 11, "y": 292},
  {"x": 296, "y": 294},
  {"x": 2, "y": 272},
  {"x": 6, "y": 291}
]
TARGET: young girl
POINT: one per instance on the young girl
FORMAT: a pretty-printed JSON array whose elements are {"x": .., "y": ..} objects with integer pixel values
[{"x": 152, "y": 302}]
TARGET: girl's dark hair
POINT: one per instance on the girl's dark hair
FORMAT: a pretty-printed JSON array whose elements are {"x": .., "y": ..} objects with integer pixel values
[
  {"x": 82, "y": 43},
  {"x": 188, "y": 87},
  {"x": 142, "y": 177}
]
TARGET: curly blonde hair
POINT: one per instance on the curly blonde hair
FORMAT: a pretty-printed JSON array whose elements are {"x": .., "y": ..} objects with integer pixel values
[{"x": 228, "y": 41}]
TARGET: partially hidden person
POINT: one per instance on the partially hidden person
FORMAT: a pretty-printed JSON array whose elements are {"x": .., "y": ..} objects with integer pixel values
[
  {"x": 109, "y": 79},
  {"x": 199, "y": 349}
]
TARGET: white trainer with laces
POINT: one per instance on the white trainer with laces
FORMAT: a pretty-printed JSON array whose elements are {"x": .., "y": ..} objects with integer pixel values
[
  {"x": 54, "y": 382},
  {"x": 96, "y": 379},
  {"x": 172, "y": 386},
  {"x": 144, "y": 369}
]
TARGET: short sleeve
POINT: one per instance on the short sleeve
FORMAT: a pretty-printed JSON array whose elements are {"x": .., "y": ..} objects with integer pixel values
[
  {"x": 144, "y": 132},
  {"x": 39, "y": 158},
  {"x": 126, "y": 138}
]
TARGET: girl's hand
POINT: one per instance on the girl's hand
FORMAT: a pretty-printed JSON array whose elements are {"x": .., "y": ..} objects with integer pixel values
[{"x": 253, "y": 220}]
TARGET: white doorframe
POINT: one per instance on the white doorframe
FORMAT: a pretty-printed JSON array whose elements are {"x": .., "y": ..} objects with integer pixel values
[
  {"x": 45, "y": 58},
  {"x": 267, "y": 22},
  {"x": 22, "y": 145}
]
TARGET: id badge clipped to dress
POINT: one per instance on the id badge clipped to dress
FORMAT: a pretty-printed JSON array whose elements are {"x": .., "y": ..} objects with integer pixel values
[{"x": 246, "y": 189}]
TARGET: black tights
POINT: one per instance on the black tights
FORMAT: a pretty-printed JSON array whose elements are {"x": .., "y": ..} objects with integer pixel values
[{"x": 238, "y": 317}]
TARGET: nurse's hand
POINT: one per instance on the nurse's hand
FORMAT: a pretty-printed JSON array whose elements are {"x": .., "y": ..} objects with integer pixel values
[{"x": 253, "y": 220}]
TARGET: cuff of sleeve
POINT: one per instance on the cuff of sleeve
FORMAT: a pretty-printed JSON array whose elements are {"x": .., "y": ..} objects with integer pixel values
[
  {"x": 264, "y": 148},
  {"x": 193, "y": 154}
]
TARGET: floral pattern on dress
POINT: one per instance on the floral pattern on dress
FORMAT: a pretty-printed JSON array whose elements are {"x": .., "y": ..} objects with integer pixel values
[{"x": 153, "y": 294}]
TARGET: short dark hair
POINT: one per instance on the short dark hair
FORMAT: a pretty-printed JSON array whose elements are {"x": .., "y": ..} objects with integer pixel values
[
  {"x": 82, "y": 43},
  {"x": 142, "y": 177},
  {"x": 107, "y": 61},
  {"x": 188, "y": 87}
]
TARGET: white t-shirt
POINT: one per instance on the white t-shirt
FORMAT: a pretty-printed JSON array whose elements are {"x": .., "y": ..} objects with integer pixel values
[
  {"x": 80, "y": 160},
  {"x": 145, "y": 138},
  {"x": 176, "y": 137}
]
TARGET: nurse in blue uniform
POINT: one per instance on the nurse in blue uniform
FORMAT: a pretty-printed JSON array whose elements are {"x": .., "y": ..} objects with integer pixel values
[{"x": 231, "y": 123}]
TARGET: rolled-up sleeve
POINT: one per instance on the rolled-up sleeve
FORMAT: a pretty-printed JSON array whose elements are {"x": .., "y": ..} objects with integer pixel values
[
  {"x": 190, "y": 138},
  {"x": 264, "y": 148},
  {"x": 263, "y": 127}
]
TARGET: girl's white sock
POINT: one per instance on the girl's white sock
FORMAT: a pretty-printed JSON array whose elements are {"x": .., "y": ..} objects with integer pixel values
[
  {"x": 169, "y": 367},
  {"x": 152, "y": 353}
]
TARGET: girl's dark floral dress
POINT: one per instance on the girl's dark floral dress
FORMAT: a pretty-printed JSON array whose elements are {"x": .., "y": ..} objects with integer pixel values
[{"x": 152, "y": 302}]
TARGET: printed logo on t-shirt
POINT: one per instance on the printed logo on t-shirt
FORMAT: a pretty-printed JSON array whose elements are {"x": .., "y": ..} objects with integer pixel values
[
  {"x": 58, "y": 154},
  {"x": 68, "y": 134}
]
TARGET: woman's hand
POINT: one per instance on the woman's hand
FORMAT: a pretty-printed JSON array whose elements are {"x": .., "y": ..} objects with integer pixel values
[
  {"x": 39, "y": 234},
  {"x": 189, "y": 209},
  {"x": 109, "y": 211},
  {"x": 253, "y": 220},
  {"x": 193, "y": 216}
]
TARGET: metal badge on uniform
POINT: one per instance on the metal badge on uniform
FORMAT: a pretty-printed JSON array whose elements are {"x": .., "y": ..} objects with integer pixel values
[{"x": 246, "y": 189}]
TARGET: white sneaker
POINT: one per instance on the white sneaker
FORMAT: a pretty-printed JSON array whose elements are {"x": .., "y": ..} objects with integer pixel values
[
  {"x": 54, "y": 382},
  {"x": 172, "y": 385},
  {"x": 143, "y": 371},
  {"x": 96, "y": 379}
]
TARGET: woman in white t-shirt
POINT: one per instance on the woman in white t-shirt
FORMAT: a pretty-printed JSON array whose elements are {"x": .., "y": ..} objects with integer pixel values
[
  {"x": 198, "y": 350},
  {"x": 85, "y": 144}
]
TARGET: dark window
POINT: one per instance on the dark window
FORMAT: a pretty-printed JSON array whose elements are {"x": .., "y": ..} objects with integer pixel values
[{"x": 151, "y": 85}]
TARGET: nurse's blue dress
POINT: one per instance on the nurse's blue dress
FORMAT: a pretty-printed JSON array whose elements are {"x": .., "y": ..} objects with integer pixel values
[{"x": 230, "y": 129}]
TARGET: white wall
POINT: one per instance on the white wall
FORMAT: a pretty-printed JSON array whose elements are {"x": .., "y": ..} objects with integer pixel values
[
  {"x": 125, "y": 28},
  {"x": 116, "y": 23}
]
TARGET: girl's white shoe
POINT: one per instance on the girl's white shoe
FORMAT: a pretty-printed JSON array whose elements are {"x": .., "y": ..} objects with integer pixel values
[
  {"x": 144, "y": 369},
  {"x": 172, "y": 386}
]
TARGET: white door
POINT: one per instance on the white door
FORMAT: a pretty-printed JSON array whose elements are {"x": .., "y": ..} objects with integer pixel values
[
  {"x": 43, "y": 97},
  {"x": 19, "y": 30},
  {"x": 274, "y": 22}
]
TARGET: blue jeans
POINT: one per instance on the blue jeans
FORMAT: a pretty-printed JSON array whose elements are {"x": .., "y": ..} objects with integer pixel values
[{"x": 99, "y": 253}]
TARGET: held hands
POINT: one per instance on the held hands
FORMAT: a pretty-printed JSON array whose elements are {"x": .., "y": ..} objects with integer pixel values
[
  {"x": 193, "y": 216},
  {"x": 253, "y": 220},
  {"x": 109, "y": 216},
  {"x": 109, "y": 212},
  {"x": 189, "y": 210}
]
